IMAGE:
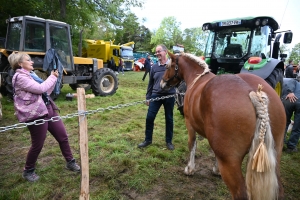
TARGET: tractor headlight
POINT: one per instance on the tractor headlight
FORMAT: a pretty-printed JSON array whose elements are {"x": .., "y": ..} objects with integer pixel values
[
  {"x": 264, "y": 22},
  {"x": 257, "y": 22}
]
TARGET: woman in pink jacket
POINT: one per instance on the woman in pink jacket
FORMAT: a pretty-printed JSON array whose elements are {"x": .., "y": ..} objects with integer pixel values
[{"x": 26, "y": 83}]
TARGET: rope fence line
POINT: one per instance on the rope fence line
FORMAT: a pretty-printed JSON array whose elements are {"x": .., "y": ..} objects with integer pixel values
[{"x": 81, "y": 113}]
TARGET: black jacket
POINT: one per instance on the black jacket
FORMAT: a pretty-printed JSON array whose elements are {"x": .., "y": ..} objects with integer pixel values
[
  {"x": 289, "y": 71},
  {"x": 147, "y": 64}
]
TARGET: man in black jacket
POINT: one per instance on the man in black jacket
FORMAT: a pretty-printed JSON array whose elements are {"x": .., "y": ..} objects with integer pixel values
[
  {"x": 154, "y": 91},
  {"x": 289, "y": 70},
  {"x": 291, "y": 101},
  {"x": 147, "y": 66}
]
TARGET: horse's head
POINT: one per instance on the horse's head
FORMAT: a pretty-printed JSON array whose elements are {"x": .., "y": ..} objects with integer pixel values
[{"x": 171, "y": 76}]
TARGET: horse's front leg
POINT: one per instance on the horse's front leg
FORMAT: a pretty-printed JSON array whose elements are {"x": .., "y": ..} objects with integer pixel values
[{"x": 192, "y": 143}]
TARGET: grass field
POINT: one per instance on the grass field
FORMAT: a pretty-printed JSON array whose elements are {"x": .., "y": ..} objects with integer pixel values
[{"x": 118, "y": 169}]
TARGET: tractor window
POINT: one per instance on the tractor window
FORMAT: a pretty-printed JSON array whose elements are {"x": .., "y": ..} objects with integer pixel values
[
  {"x": 2, "y": 43},
  {"x": 60, "y": 41},
  {"x": 231, "y": 43},
  {"x": 209, "y": 44},
  {"x": 34, "y": 37},
  {"x": 260, "y": 41},
  {"x": 13, "y": 36}
]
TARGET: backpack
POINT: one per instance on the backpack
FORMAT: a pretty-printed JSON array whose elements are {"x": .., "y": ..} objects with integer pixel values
[{"x": 120, "y": 63}]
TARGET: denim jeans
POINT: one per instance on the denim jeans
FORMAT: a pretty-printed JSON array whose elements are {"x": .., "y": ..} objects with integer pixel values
[
  {"x": 153, "y": 109},
  {"x": 291, "y": 108}
]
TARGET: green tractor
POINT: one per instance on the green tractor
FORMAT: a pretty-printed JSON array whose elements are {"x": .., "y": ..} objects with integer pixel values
[{"x": 246, "y": 45}]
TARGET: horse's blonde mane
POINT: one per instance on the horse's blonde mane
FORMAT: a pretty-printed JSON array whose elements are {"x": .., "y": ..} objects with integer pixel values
[
  {"x": 202, "y": 64},
  {"x": 197, "y": 59}
]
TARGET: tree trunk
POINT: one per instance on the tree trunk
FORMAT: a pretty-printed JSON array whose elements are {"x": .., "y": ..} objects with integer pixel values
[{"x": 63, "y": 9}]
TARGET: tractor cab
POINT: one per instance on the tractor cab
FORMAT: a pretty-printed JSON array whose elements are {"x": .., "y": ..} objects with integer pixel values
[
  {"x": 231, "y": 43},
  {"x": 35, "y": 36}
]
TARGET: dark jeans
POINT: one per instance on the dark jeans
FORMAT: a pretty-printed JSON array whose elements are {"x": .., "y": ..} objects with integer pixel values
[
  {"x": 38, "y": 136},
  {"x": 153, "y": 109},
  {"x": 145, "y": 74},
  {"x": 291, "y": 108},
  {"x": 120, "y": 69}
]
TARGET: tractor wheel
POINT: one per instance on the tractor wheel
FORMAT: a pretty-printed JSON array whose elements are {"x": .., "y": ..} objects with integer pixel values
[
  {"x": 7, "y": 82},
  {"x": 77, "y": 85},
  {"x": 104, "y": 82},
  {"x": 275, "y": 80}
]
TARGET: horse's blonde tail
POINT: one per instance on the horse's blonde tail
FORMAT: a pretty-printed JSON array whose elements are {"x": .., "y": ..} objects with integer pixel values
[{"x": 261, "y": 178}]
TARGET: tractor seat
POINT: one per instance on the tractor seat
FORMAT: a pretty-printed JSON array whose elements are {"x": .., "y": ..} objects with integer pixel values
[{"x": 233, "y": 50}]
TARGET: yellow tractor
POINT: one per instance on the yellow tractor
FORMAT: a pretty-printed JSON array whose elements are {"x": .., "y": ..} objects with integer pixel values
[
  {"x": 110, "y": 53},
  {"x": 36, "y": 36}
]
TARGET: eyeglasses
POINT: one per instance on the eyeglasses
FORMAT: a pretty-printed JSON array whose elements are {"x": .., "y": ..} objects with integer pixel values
[{"x": 159, "y": 51}]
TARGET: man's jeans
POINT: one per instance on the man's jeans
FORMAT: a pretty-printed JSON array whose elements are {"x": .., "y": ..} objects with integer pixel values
[
  {"x": 295, "y": 134},
  {"x": 153, "y": 109}
]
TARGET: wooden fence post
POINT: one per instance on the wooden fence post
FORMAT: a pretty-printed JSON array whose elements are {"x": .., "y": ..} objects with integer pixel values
[{"x": 83, "y": 144}]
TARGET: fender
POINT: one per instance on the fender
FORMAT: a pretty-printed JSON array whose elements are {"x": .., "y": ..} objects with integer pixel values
[{"x": 266, "y": 70}]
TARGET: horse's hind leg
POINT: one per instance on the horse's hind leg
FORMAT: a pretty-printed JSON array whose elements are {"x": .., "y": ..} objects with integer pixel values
[
  {"x": 231, "y": 173},
  {"x": 216, "y": 170}
]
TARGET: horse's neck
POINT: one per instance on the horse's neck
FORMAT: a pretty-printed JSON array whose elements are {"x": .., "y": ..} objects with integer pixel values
[{"x": 197, "y": 76}]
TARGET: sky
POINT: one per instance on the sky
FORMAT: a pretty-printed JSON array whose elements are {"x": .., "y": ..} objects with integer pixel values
[{"x": 194, "y": 13}]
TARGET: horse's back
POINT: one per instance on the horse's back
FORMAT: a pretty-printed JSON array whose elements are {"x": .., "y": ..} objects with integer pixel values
[{"x": 228, "y": 113}]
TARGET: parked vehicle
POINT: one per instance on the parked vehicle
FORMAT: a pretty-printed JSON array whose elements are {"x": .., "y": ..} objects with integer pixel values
[
  {"x": 36, "y": 36},
  {"x": 110, "y": 53}
]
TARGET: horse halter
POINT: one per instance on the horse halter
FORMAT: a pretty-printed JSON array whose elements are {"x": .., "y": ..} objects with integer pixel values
[{"x": 175, "y": 75}]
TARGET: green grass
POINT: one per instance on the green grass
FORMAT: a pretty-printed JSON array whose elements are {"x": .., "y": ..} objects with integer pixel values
[{"x": 118, "y": 169}]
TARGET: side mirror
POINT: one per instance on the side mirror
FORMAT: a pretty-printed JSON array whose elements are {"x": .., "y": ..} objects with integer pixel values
[
  {"x": 283, "y": 55},
  {"x": 288, "y": 36}
]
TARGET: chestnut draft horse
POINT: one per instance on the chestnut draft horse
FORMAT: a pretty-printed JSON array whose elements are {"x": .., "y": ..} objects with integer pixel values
[{"x": 238, "y": 114}]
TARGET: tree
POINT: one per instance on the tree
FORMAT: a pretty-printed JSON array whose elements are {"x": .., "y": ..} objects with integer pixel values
[
  {"x": 194, "y": 40},
  {"x": 295, "y": 54},
  {"x": 81, "y": 14},
  {"x": 284, "y": 48},
  {"x": 142, "y": 39},
  {"x": 168, "y": 33}
]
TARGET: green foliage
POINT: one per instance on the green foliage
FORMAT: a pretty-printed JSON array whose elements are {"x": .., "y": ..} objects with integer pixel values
[
  {"x": 295, "y": 54},
  {"x": 168, "y": 33},
  {"x": 82, "y": 15},
  {"x": 194, "y": 41}
]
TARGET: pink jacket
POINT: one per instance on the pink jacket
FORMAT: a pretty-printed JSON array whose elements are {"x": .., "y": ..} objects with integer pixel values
[{"x": 26, "y": 86}]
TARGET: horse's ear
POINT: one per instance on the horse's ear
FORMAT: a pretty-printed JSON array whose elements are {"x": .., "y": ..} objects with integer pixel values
[{"x": 172, "y": 56}]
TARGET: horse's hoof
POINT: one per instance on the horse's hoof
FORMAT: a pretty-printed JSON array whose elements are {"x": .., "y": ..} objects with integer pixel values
[
  {"x": 188, "y": 171},
  {"x": 216, "y": 171}
]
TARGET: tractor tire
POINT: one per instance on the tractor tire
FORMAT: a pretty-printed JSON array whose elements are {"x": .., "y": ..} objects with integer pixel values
[
  {"x": 77, "y": 85},
  {"x": 7, "y": 82},
  {"x": 275, "y": 80},
  {"x": 104, "y": 82}
]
